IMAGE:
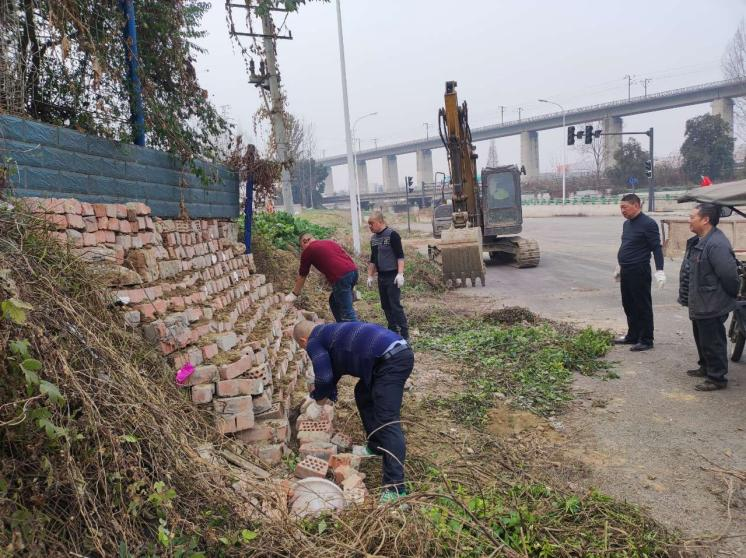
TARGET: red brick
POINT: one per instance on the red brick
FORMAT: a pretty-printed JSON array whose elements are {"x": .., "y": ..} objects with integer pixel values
[
  {"x": 91, "y": 225},
  {"x": 53, "y": 205},
  {"x": 269, "y": 453},
  {"x": 343, "y": 472},
  {"x": 86, "y": 209},
  {"x": 121, "y": 210},
  {"x": 311, "y": 467},
  {"x": 72, "y": 206},
  {"x": 202, "y": 375},
  {"x": 202, "y": 393},
  {"x": 131, "y": 215},
  {"x": 75, "y": 221},
  {"x": 102, "y": 223},
  {"x": 111, "y": 210},
  {"x": 99, "y": 210},
  {"x": 209, "y": 351},
  {"x": 111, "y": 237},
  {"x": 59, "y": 221},
  {"x": 89, "y": 239},
  {"x": 346, "y": 459},
  {"x": 228, "y": 371},
  {"x": 113, "y": 224},
  {"x": 177, "y": 303},
  {"x": 124, "y": 226},
  {"x": 260, "y": 432},
  {"x": 322, "y": 450},
  {"x": 244, "y": 421},
  {"x": 100, "y": 237},
  {"x": 134, "y": 227},
  {"x": 233, "y": 405}
]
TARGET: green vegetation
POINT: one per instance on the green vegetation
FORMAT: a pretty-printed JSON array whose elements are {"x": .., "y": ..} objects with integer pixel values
[
  {"x": 283, "y": 229},
  {"x": 533, "y": 363}
]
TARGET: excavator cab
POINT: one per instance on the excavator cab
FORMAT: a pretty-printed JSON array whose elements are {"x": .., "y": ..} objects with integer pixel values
[{"x": 501, "y": 201}]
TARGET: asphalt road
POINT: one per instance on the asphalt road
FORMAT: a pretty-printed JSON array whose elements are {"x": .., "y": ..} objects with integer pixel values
[{"x": 647, "y": 437}]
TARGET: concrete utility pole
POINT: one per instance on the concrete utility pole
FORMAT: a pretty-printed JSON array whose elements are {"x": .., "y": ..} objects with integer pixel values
[
  {"x": 427, "y": 129},
  {"x": 278, "y": 123},
  {"x": 645, "y": 85},
  {"x": 629, "y": 86},
  {"x": 354, "y": 217},
  {"x": 502, "y": 113},
  {"x": 520, "y": 109}
]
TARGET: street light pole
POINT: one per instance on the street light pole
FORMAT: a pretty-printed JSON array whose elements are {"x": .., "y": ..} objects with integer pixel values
[
  {"x": 564, "y": 150},
  {"x": 348, "y": 139},
  {"x": 427, "y": 129},
  {"x": 354, "y": 158}
]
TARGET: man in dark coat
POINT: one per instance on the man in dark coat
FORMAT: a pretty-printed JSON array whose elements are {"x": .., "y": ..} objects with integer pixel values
[{"x": 712, "y": 288}]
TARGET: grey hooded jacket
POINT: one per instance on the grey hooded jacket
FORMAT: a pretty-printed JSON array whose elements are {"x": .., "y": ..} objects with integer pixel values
[{"x": 713, "y": 277}]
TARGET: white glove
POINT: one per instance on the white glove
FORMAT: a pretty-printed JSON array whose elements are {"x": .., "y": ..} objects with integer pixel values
[
  {"x": 371, "y": 280},
  {"x": 617, "y": 274},
  {"x": 290, "y": 297},
  {"x": 399, "y": 280},
  {"x": 660, "y": 278}
]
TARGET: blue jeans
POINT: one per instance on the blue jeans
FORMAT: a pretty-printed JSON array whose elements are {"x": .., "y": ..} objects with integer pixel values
[{"x": 340, "y": 301}]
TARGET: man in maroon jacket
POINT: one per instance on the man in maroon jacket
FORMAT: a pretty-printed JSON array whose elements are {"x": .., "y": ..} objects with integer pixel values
[{"x": 333, "y": 262}]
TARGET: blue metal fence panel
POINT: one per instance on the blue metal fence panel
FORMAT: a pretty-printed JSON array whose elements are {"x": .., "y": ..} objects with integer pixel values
[{"x": 55, "y": 162}]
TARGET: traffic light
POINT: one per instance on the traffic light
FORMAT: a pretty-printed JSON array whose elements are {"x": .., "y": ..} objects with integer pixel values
[
  {"x": 588, "y": 134},
  {"x": 649, "y": 168},
  {"x": 571, "y": 135},
  {"x": 408, "y": 182}
]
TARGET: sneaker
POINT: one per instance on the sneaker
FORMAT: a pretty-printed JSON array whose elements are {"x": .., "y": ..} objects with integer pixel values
[
  {"x": 390, "y": 496},
  {"x": 697, "y": 372},
  {"x": 363, "y": 451}
]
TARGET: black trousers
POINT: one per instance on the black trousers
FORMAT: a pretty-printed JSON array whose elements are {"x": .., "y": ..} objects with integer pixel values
[
  {"x": 379, "y": 406},
  {"x": 637, "y": 302},
  {"x": 390, "y": 296},
  {"x": 712, "y": 347}
]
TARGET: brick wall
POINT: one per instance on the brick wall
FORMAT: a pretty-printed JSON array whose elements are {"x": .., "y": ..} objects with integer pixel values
[
  {"x": 195, "y": 294},
  {"x": 56, "y": 162}
]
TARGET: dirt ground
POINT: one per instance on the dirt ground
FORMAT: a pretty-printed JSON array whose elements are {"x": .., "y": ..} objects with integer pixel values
[{"x": 647, "y": 437}]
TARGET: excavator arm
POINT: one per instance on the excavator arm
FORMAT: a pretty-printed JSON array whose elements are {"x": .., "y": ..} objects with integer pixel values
[{"x": 453, "y": 125}]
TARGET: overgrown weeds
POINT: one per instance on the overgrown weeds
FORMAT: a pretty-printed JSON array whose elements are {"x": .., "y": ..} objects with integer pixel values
[{"x": 532, "y": 362}]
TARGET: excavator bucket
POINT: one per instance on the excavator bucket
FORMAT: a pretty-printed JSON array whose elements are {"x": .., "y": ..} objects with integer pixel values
[{"x": 461, "y": 256}]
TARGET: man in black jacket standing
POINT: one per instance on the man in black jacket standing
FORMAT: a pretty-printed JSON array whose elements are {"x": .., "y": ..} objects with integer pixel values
[
  {"x": 640, "y": 238},
  {"x": 713, "y": 286},
  {"x": 387, "y": 260}
]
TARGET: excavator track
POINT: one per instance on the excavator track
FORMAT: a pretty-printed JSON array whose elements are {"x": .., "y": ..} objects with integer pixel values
[{"x": 526, "y": 252}]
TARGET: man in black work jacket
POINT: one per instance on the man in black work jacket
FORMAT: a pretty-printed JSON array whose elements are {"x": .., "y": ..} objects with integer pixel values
[
  {"x": 387, "y": 260},
  {"x": 640, "y": 238},
  {"x": 711, "y": 295}
]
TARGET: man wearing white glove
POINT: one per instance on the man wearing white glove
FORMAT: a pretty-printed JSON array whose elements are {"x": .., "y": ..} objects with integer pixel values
[
  {"x": 640, "y": 239},
  {"x": 387, "y": 260}
]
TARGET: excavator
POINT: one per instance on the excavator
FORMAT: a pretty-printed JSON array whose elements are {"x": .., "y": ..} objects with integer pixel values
[{"x": 482, "y": 217}]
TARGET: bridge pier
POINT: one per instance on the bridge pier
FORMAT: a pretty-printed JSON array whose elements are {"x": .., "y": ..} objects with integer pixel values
[
  {"x": 424, "y": 167},
  {"x": 612, "y": 144},
  {"x": 362, "y": 177},
  {"x": 530, "y": 153},
  {"x": 329, "y": 183},
  {"x": 390, "y": 174},
  {"x": 724, "y": 108}
]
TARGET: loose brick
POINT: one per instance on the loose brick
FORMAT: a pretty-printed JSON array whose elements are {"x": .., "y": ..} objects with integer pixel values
[
  {"x": 342, "y": 441},
  {"x": 228, "y": 371},
  {"x": 89, "y": 239},
  {"x": 99, "y": 210},
  {"x": 264, "y": 403},
  {"x": 258, "y": 433},
  {"x": 233, "y": 405},
  {"x": 75, "y": 221},
  {"x": 209, "y": 351},
  {"x": 322, "y": 450},
  {"x": 202, "y": 393},
  {"x": 269, "y": 453},
  {"x": 86, "y": 209},
  {"x": 112, "y": 224},
  {"x": 203, "y": 375},
  {"x": 121, "y": 210},
  {"x": 343, "y": 472},
  {"x": 91, "y": 224},
  {"x": 59, "y": 221},
  {"x": 227, "y": 341},
  {"x": 311, "y": 467},
  {"x": 124, "y": 226},
  {"x": 72, "y": 206},
  {"x": 239, "y": 386},
  {"x": 346, "y": 459}
]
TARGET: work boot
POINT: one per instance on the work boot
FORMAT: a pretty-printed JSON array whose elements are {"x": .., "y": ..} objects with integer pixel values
[
  {"x": 623, "y": 340},
  {"x": 711, "y": 385},
  {"x": 641, "y": 347},
  {"x": 697, "y": 372}
]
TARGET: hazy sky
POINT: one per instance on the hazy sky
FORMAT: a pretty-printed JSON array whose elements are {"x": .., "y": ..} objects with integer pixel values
[{"x": 400, "y": 53}]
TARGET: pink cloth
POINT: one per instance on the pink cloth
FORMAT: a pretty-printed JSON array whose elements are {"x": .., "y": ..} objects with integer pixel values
[{"x": 184, "y": 372}]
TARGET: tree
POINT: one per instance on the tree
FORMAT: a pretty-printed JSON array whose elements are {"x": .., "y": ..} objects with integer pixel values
[
  {"x": 734, "y": 67},
  {"x": 307, "y": 179},
  {"x": 707, "y": 148},
  {"x": 492, "y": 155},
  {"x": 630, "y": 163},
  {"x": 69, "y": 61}
]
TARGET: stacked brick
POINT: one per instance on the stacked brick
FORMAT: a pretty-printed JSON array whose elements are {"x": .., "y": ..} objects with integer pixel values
[{"x": 194, "y": 292}]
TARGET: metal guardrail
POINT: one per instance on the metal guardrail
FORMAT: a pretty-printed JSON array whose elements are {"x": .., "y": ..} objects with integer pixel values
[{"x": 595, "y": 200}]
